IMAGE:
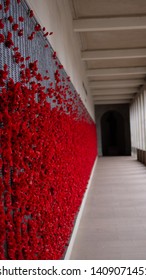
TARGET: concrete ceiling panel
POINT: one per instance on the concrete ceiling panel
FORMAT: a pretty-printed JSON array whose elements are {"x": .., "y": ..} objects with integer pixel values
[
  {"x": 113, "y": 47},
  {"x": 102, "y": 8}
]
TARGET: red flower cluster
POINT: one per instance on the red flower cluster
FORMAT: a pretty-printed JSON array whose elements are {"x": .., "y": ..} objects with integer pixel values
[
  {"x": 18, "y": 58},
  {"x": 1, "y": 24},
  {"x": 46, "y": 149},
  {"x": 46, "y": 158},
  {"x": 3, "y": 75},
  {"x": 8, "y": 41}
]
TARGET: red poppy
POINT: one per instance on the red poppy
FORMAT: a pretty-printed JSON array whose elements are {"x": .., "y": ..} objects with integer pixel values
[
  {"x": 6, "y": 9},
  {"x": 9, "y": 35},
  {"x": 21, "y": 19},
  {"x": 31, "y": 13},
  {"x": 39, "y": 77},
  {"x": 22, "y": 66},
  {"x": 1, "y": 24},
  {"x": 31, "y": 36},
  {"x": 10, "y": 18},
  {"x": 54, "y": 55},
  {"x": 46, "y": 34},
  {"x": 8, "y": 41},
  {"x": 37, "y": 27},
  {"x": 2, "y": 38},
  {"x": 15, "y": 26},
  {"x": 27, "y": 58},
  {"x": 33, "y": 65},
  {"x": 20, "y": 32},
  {"x": 15, "y": 48}
]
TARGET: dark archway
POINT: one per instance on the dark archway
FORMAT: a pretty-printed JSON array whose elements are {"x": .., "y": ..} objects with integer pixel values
[{"x": 113, "y": 134}]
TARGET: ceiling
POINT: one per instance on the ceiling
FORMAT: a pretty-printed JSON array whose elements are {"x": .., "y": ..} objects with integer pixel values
[{"x": 113, "y": 47}]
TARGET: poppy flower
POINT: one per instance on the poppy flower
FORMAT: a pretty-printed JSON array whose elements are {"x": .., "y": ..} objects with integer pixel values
[
  {"x": 27, "y": 58},
  {"x": 6, "y": 9},
  {"x": 15, "y": 49},
  {"x": 1, "y": 24},
  {"x": 20, "y": 33},
  {"x": 15, "y": 26},
  {"x": 21, "y": 19},
  {"x": 37, "y": 27},
  {"x": 7, "y": 2},
  {"x": 22, "y": 66},
  {"x": 60, "y": 66},
  {"x": 9, "y": 35},
  {"x": 8, "y": 41},
  {"x": 54, "y": 55},
  {"x": 2, "y": 38},
  {"x": 33, "y": 65},
  {"x": 31, "y": 36},
  {"x": 46, "y": 34},
  {"x": 31, "y": 13},
  {"x": 10, "y": 18}
]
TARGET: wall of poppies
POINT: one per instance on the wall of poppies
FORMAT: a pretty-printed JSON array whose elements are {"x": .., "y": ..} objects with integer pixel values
[{"x": 48, "y": 141}]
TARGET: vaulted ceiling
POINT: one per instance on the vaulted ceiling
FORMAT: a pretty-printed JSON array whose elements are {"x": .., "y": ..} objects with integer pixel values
[{"x": 113, "y": 47}]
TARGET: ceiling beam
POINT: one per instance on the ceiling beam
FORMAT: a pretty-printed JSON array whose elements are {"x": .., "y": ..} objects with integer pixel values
[
  {"x": 116, "y": 84},
  {"x": 113, "y": 54},
  {"x": 109, "y": 24},
  {"x": 113, "y": 97},
  {"x": 118, "y": 77},
  {"x": 114, "y": 91},
  {"x": 98, "y": 102},
  {"x": 116, "y": 71}
]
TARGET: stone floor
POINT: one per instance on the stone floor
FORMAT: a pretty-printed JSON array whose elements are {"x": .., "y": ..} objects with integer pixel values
[{"x": 113, "y": 224}]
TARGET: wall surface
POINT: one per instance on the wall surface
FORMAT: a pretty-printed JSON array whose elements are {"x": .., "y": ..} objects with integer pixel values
[
  {"x": 138, "y": 125},
  {"x": 56, "y": 16},
  {"x": 48, "y": 141},
  {"x": 123, "y": 109}
]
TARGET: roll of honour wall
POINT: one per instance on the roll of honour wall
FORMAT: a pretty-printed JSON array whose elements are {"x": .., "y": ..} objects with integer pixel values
[{"x": 48, "y": 141}]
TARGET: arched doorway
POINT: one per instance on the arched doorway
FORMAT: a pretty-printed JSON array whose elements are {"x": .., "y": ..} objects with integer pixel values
[{"x": 113, "y": 134}]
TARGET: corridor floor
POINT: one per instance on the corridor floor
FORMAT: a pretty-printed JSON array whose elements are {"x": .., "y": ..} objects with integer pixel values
[{"x": 113, "y": 224}]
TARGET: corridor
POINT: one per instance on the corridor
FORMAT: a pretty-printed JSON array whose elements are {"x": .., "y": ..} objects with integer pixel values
[
  {"x": 72, "y": 91},
  {"x": 113, "y": 222}
]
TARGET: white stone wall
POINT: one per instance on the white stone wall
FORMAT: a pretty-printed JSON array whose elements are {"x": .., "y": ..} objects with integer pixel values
[{"x": 138, "y": 121}]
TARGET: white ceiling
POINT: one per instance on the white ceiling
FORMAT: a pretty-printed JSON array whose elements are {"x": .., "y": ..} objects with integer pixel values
[{"x": 113, "y": 47}]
